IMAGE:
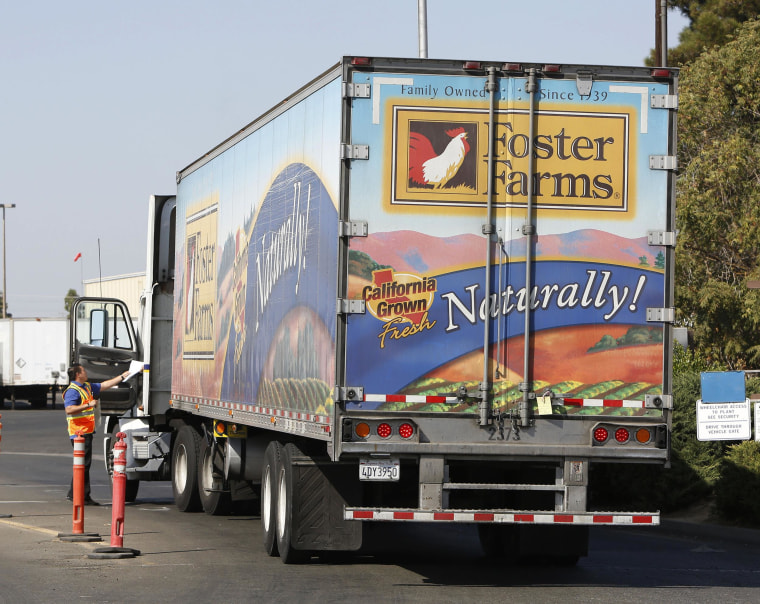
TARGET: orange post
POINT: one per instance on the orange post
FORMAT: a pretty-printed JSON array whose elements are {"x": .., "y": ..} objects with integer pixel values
[
  {"x": 119, "y": 490},
  {"x": 78, "y": 487}
]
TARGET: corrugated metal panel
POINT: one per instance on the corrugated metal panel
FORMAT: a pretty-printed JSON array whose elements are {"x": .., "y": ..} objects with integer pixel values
[{"x": 124, "y": 287}]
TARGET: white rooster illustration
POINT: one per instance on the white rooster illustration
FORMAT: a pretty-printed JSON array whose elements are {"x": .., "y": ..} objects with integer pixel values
[{"x": 427, "y": 168}]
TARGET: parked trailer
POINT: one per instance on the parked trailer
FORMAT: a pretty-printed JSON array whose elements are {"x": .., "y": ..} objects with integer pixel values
[
  {"x": 414, "y": 291},
  {"x": 33, "y": 357}
]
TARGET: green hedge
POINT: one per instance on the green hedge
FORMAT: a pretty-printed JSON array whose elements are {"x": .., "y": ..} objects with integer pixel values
[{"x": 727, "y": 472}]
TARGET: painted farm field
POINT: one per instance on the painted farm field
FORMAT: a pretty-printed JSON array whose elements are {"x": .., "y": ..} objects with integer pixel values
[{"x": 601, "y": 362}]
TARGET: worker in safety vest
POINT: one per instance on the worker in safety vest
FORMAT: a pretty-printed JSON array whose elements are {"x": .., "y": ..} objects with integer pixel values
[{"x": 80, "y": 406}]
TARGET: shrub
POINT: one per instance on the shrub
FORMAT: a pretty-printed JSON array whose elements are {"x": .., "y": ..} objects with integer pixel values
[{"x": 737, "y": 492}]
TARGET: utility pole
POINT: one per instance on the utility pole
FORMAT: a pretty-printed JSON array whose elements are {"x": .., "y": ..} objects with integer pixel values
[{"x": 422, "y": 28}]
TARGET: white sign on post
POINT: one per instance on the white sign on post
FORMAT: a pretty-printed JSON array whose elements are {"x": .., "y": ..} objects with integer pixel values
[{"x": 724, "y": 421}]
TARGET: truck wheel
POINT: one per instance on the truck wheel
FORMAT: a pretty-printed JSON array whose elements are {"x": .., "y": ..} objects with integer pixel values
[
  {"x": 185, "y": 469},
  {"x": 498, "y": 540},
  {"x": 214, "y": 499},
  {"x": 285, "y": 500},
  {"x": 130, "y": 491},
  {"x": 132, "y": 486},
  {"x": 269, "y": 497}
]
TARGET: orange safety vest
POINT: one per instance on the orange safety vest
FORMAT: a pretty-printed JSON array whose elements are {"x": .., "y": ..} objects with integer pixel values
[{"x": 84, "y": 421}]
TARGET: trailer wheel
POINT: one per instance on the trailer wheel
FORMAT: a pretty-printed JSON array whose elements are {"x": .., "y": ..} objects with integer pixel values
[
  {"x": 285, "y": 499},
  {"x": 185, "y": 469},
  {"x": 269, "y": 497},
  {"x": 214, "y": 499},
  {"x": 498, "y": 540}
]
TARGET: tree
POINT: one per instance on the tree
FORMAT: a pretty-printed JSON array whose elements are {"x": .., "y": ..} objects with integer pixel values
[
  {"x": 7, "y": 314},
  {"x": 713, "y": 23},
  {"x": 68, "y": 301},
  {"x": 718, "y": 198}
]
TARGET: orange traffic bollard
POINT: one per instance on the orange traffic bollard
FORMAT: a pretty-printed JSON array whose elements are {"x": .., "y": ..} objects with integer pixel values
[
  {"x": 119, "y": 490},
  {"x": 78, "y": 489},
  {"x": 77, "y": 531},
  {"x": 117, "y": 506}
]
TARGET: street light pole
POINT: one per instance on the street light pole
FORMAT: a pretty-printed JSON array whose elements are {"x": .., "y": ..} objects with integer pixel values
[{"x": 5, "y": 290}]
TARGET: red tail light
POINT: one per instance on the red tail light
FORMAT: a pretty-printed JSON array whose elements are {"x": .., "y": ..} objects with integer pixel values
[
  {"x": 622, "y": 435},
  {"x": 384, "y": 430},
  {"x": 406, "y": 430},
  {"x": 601, "y": 435}
]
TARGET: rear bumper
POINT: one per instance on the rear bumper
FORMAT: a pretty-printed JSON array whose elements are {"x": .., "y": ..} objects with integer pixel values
[{"x": 504, "y": 517}]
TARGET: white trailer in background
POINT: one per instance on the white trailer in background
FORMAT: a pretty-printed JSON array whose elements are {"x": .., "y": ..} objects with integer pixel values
[{"x": 33, "y": 358}]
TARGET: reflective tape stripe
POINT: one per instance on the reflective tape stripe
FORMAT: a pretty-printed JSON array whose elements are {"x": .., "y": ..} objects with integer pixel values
[
  {"x": 402, "y": 398},
  {"x": 598, "y": 402},
  {"x": 471, "y": 516}
]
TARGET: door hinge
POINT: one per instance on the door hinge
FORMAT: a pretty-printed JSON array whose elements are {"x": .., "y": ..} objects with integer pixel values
[
  {"x": 663, "y": 162},
  {"x": 666, "y": 238},
  {"x": 659, "y": 401},
  {"x": 353, "y": 90},
  {"x": 661, "y": 315},
  {"x": 584, "y": 80},
  {"x": 348, "y": 151},
  {"x": 351, "y": 307},
  {"x": 663, "y": 101},
  {"x": 353, "y": 228}
]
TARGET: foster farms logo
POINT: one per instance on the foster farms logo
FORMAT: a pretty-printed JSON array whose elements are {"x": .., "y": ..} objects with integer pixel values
[{"x": 401, "y": 301}]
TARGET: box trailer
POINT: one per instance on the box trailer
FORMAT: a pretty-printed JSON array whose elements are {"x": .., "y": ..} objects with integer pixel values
[
  {"x": 33, "y": 357},
  {"x": 414, "y": 291}
]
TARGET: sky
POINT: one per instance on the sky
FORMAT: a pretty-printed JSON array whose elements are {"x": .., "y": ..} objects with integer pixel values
[{"x": 101, "y": 103}]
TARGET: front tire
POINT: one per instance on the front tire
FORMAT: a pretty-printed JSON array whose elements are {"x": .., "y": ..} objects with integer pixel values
[
  {"x": 185, "y": 469},
  {"x": 132, "y": 486}
]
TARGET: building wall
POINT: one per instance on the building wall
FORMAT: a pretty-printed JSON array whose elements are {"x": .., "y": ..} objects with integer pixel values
[{"x": 124, "y": 287}]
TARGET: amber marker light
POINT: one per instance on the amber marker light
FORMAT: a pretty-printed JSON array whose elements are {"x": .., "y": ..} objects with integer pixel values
[
  {"x": 362, "y": 430},
  {"x": 643, "y": 436}
]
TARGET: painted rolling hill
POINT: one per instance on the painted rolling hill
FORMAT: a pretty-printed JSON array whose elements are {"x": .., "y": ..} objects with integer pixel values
[{"x": 410, "y": 251}]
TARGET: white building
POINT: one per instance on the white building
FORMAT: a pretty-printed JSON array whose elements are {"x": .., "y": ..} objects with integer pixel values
[{"x": 124, "y": 287}]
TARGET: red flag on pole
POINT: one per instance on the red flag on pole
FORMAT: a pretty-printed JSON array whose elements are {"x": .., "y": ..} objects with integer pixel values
[{"x": 78, "y": 256}]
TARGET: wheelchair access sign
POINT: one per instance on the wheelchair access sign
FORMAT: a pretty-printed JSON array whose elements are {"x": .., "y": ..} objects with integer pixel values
[{"x": 724, "y": 421}]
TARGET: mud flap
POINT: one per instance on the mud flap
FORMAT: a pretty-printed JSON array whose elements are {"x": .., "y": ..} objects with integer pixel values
[{"x": 321, "y": 491}]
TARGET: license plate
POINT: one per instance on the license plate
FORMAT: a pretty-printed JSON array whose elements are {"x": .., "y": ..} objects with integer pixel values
[{"x": 379, "y": 469}]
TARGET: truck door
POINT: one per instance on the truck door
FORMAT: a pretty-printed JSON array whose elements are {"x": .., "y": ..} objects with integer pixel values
[{"x": 104, "y": 342}]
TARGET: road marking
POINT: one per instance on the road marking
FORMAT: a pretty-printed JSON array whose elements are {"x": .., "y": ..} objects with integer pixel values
[{"x": 29, "y": 527}]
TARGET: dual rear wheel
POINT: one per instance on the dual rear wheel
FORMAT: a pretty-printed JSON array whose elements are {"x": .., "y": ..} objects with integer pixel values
[
  {"x": 277, "y": 503},
  {"x": 197, "y": 475}
]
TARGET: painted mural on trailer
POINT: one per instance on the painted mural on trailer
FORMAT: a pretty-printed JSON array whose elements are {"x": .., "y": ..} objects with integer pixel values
[
  {"x": 421, "y": 270},
  {"x": 257, "y": 270}
]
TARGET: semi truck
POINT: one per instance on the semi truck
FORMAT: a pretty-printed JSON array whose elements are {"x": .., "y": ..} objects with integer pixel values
[
  {"x": 33, "y": 356},
  {"x": 416, "y": 290}
]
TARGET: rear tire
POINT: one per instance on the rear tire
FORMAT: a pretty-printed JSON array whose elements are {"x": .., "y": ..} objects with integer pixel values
[
  {"x": 214, "y": 500},
  {"x": 498, "y": 540},
  {"x": 185, "y": 469},
  {"x": 285, "y": 487},
  {"x": 269, "y": 497}
]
